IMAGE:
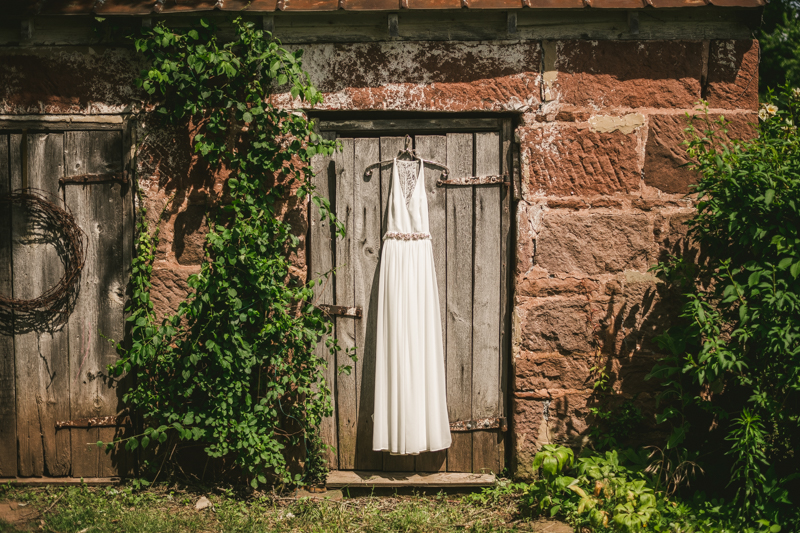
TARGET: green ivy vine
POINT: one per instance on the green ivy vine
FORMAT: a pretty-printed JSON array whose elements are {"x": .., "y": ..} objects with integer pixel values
[{"x": 235, "y": 367}]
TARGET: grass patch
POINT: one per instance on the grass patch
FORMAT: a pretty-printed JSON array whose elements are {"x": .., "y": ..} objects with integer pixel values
[{"x": 85, "y": 509}]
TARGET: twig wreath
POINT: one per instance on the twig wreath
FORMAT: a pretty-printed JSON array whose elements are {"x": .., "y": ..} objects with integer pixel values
[{"x": 47, "y": 220}]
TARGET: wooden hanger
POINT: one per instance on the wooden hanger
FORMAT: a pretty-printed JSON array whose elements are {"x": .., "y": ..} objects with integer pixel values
[{"x": 407, "y": 150}]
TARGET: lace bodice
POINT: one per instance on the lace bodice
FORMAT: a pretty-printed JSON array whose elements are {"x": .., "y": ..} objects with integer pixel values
[
  {"x": 407, "y": 174},
  {"x": 408, "y": 203}
]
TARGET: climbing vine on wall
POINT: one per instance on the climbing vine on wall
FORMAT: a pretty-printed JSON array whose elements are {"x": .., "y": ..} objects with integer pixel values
[{"x": 234, "y": 368}]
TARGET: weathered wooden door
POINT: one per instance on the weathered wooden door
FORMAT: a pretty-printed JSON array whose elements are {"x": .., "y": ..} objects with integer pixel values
[
  {"x": 55, "y": 369},
  {"x": 470, "y": 230}
]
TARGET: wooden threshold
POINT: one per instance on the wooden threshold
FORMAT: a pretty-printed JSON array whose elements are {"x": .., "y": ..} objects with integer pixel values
[
  {"x": 61, "y": 481},
  {"x": 352, "y": 478}
]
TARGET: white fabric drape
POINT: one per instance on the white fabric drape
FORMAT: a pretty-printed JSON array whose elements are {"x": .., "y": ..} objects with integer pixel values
[{"x": 410, "y": 395}]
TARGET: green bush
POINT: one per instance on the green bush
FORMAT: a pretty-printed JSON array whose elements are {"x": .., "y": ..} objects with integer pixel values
[{"x": 732, "y": 381}]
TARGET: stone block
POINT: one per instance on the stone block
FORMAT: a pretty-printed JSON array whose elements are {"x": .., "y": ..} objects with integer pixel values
[
  {"x": 560, "y": 418},
  {"x": 566, "y": 160},
  {"x": 629, "y": 74},
  {"x": 733, "y": 74},
  {"x": 169, "y": 288},
  {"x": 665, "y": 161},
  {"x": 68, "y": 80},
  {"x": 554, "y": 325},
  {"x": 537, "y": 371},
  {"x": 189, "y": 235},
  {"x": 639, "y": 308},
  {"x": 537, "y": 286},
  {"x": 594, "y": 243},
  {"x": 425, "y": 75}
]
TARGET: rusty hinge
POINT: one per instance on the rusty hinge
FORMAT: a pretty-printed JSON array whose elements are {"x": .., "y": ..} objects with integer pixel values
[
  {"x": 95, "y": 422},
  {"x": 476, "y": 180},
  {"x": 121, "y": 177},
  {"x": 341, "y": 310},
  {"x": 481, "y": 424}
]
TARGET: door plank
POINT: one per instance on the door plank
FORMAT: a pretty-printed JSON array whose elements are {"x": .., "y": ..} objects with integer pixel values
[
  {"x": 486, "y": 401},
  {"x": 434, "y": 148},
  {"x": 42, "y": 364},
  {"x": 8, "y": 412},
  {"x": 459, "y": 300},
  {"x": 346, "y": 385},
  {"x": 507, "y": 248},
  {"x": 366, "y": 250},
  {"x": 390, "y": 146},
  {"x": 99, "y": 310},
  {"x": 321, "y": 244}
]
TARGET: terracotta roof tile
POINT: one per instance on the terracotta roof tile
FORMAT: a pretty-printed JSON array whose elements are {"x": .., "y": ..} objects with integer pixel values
[{"x": 150, "y": 7}]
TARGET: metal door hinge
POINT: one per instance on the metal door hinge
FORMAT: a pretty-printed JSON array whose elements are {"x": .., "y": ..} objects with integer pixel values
[
  {"x": 475, "y": 180},
  {"x": 120, "y": 177},
  {"x": 481, "y": 424},
  {"x": 341, "y": 310},
  {"x": 95, "y": 422}
]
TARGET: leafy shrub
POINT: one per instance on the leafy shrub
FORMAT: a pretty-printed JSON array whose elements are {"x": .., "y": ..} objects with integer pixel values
[
  {"x": 732, "y": 382},
  {"x": 234, "y": 369}
]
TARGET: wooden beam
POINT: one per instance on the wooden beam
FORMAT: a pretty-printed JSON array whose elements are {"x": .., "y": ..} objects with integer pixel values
[
  {"x": 349, "y": 478},
  {"x": 61, "y": 481},
  {"x": 417, "y": 125}
]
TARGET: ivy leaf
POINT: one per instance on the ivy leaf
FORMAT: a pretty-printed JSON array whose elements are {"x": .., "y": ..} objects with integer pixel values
[{"x": 768, "y": 196}]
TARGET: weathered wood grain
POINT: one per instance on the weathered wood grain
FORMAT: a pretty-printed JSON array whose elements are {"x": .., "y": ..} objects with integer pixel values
[
  {"x": 458, "y": 352},
  {"x": 321, "y": 254},
  {"x": 346, "y": 384},
  {"x": 8, "y": 412},
  {"x": 98, "y": 210},
  {"x": 366, "y": 250},
  {"x": 434, "y": 148},
  {"x": 486, "y": 401},
  {"x": 405, "y": 479},
  {"x": 507, "y": 254},
  {"x": 42, "y": 362},
  {"x": 410, "y": 124},
  {"x": 390, "y": 147}
]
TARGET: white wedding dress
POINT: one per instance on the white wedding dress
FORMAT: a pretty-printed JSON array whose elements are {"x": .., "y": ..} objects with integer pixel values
[{"x": 410, "y": 397}]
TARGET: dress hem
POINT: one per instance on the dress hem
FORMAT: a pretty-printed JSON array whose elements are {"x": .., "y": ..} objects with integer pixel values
[{"x": 413, "y": 453}]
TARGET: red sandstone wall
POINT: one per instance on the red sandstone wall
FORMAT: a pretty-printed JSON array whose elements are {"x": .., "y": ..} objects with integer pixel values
[{"x": 603, "y": 194}]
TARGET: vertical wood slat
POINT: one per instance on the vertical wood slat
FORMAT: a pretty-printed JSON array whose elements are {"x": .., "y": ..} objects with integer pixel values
[
  {"x": 390, "y": 147},
  {"x": 346, "y": 385},
  {"x": 486, "y": 400},
  {"x": 366, "y": 249},
  {"x": 8, "y": 413},
  {"x": 507, "y": 248},
  {"x": 434, "y": 148},
  {"x": 459, "y": 299},
  {"x": 123, "y": 460},
  {"x": 321, "y": 255},
  {"x": 42, "y": 364},
  {"x": 98, "y": 210}
]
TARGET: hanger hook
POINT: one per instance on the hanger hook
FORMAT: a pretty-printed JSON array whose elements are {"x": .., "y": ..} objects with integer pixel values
[{"x": 408, "y": 142}]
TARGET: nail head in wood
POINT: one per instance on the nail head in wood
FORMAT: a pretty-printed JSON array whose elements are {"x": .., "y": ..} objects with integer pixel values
[
  {"x": 268, "y": 23},
  {"x": 633, "y": 22},
  {"x": 512, "y": 22}
]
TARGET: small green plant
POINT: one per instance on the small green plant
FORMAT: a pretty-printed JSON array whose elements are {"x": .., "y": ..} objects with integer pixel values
[{"x": 617, "y": 492}]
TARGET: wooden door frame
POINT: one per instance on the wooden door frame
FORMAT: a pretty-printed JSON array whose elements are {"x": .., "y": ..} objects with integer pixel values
[
  {"x": 57, "y": 123},
  {"x": 333, "y": 124}
]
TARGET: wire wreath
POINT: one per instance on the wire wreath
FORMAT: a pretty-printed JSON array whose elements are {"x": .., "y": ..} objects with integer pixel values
[{"x": 46, "y": 222}]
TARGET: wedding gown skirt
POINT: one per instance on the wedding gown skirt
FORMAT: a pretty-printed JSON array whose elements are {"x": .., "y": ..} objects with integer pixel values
[{"x": 410, "y": 396}]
